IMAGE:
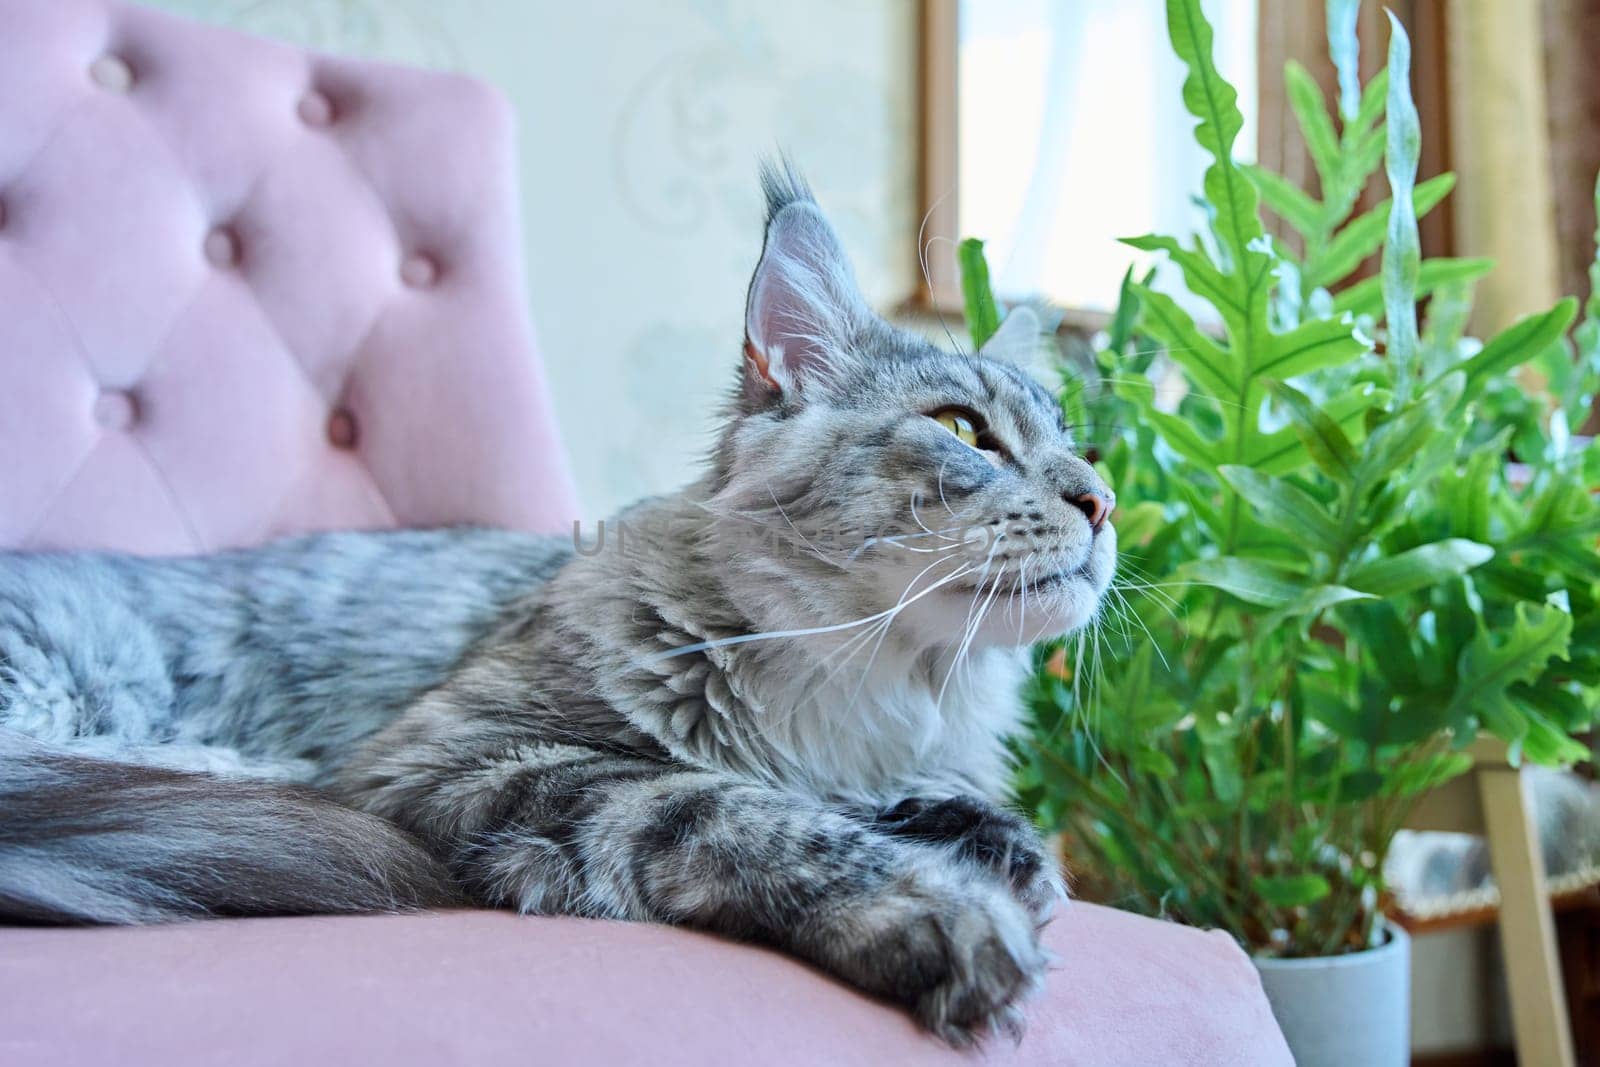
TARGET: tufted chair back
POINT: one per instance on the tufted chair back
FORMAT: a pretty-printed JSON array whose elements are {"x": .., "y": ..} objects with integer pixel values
[{"x": 246, "y": 291}]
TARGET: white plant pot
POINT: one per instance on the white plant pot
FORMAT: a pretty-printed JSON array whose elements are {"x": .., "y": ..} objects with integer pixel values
[{"x": 1342, "y": 1010}]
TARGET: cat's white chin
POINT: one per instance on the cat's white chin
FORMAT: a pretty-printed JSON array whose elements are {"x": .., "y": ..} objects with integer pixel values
[
  {"x": 956, "y": 618},
  {"x": 1009, "y": 608},
  {"x": 1066, "y": 604},
  {"x": 1006, "y": 616}
]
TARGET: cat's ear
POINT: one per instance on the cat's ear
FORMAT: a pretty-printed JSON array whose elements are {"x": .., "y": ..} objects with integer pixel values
[
  {"x": 1020, "y": 340},
  {"x": 803, "y": 307}
]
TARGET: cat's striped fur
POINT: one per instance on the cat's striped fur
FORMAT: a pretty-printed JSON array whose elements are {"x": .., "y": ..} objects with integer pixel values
[{"x": 480, "y": 716}]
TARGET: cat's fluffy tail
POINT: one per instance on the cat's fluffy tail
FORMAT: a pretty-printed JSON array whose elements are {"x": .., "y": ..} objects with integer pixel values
[{"x": 92, "y": 841}]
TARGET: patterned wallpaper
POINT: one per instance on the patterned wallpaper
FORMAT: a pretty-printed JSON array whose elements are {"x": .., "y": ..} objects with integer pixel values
[{"x": 641, "y": 122}]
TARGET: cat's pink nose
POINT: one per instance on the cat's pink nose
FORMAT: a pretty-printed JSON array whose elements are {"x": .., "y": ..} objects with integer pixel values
[{"x": 1095, "y": 507}]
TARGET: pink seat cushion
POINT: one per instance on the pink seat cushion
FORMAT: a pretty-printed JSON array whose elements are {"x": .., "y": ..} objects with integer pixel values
[{"x": 486, "y": 988}]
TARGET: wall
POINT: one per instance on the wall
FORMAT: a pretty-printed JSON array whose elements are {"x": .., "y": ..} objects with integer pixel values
[{"x": 641, "y": 123}]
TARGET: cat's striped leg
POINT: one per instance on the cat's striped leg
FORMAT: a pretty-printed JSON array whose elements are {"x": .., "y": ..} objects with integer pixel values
[
  {"x": 569, "y": 831},
  {"x": 981, "y": 832}
]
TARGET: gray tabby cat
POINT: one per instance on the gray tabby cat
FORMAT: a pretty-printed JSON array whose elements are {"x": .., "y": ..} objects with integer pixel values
[{"x": 759, "y": 715}]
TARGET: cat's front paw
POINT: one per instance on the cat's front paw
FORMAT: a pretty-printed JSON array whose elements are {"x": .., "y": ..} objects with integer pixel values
[
  {"x": 1038, "y": 883},
  {"x": 992, "y": 837},
  {"x": 991, "y": 960},
  {"x": 961, "y": 957}
]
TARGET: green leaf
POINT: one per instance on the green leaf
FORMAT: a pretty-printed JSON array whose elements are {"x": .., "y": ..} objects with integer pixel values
[
  {"x": 1286, "y": 199},
  {"x": 1291, "y": 890},
  {"x": 1219, "y": 752},
  {"x": 1578, "y": 561},
  {"x": 1312, "y": 602},
  {"x": 1207, "y": 364},
  {"x": 1284, "y": 505},
  {"x": 1366, "y": 296},
  {"x": 1545, "y": 695},
  {"x": 1401, "y": 436},
  {"x": 1138, "y": 522},
  {"x": 1282, "y": 451},
  {"x": 1410, "y": 779},
  {"x": 1515, "y": 345},
  {"x": 1544, "y": 742},
  {"x": 983, "y": 315},
  {"x": 1199, "y": 273},
  {"x": 1199, "y": 502},
  {"x": 1310, "y": 110},
  {"x": 1183, "y": 438},
  {"x": 1365, "y": 158},
  {"x": 1364, "y": 234},
  {"x": 1402, "y": 251},
  {"x": 1215, "y": 103},
  {"x": 1250, "y": 580},
  {"x": 1468, "y": 496},
  {"x": 1374, "y": 98},
  {"x": 1418, "y": 568},
  {"x": 1538, "y": 634},
  {"x": 1458, "y": 613},
  {"x": 1512, "y": 582},
  {"x": 1132, "y": 690},
  {"x": 1336, "y": 713},
  {"x": 1120, "y": 330},
  {"x": 1384, "y": 637},
  {"x": 1308, "y": 347},
  {"x": 1279, "y": 452},
  {"x": 1564, "y": 506},
  {"x": 1445, "y": 329},
  {"x": 1155, "y": 763},
  {"x": 1330, "y": 449},
  {"x": 1359, "y": 785}
]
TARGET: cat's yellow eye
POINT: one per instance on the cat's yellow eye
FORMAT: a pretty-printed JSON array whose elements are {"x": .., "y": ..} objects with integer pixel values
[{"x": 959, "y": 423}]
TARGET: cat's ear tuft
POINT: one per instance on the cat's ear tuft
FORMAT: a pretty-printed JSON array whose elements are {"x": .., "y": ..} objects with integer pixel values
[
  {"x": 803, "y": 307},
  {"x": 1020, "y": 341}
]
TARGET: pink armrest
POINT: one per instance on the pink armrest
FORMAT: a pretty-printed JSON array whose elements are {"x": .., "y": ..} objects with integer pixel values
[{"x": 485, "y": 988}]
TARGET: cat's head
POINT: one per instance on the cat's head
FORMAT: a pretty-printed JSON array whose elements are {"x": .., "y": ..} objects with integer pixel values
[{"x": 893, "y": 475}]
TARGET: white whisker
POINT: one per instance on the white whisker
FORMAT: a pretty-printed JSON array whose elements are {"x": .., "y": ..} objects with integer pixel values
[{"x": 773, "y": 635}]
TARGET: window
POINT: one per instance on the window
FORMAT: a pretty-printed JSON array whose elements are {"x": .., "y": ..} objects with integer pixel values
[{"x": 1054, "y": 128}]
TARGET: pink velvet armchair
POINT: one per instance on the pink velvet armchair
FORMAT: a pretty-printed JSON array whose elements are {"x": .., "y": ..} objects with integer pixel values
[{"x": 247, "y": 292}]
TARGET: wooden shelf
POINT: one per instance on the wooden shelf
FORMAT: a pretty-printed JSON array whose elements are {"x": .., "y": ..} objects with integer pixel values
[{"x": 1587, "y": 897}]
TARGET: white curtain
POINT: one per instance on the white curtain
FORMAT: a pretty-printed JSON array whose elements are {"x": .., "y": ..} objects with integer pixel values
[{"x": 1073, "y": 133}]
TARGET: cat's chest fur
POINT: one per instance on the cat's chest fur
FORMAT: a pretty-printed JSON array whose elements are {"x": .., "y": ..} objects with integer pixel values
[
  {"x": 905, "y": 725},
  {"x": 854, "y": 717}
]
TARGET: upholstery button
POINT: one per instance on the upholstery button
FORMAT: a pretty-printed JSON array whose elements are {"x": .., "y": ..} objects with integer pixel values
[
  {"x": 315, "y": 109},
  {"x": 222, "y": 247},
  {"x": 116, "y": 409},
  {"x": 342, "y": 428},
  {"x": 112, "y": 73},
  {"x": 419, "y": 271}
]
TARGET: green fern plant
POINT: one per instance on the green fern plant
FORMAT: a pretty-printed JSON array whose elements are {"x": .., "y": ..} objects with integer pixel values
[{"x": 1332, "y": 580}]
